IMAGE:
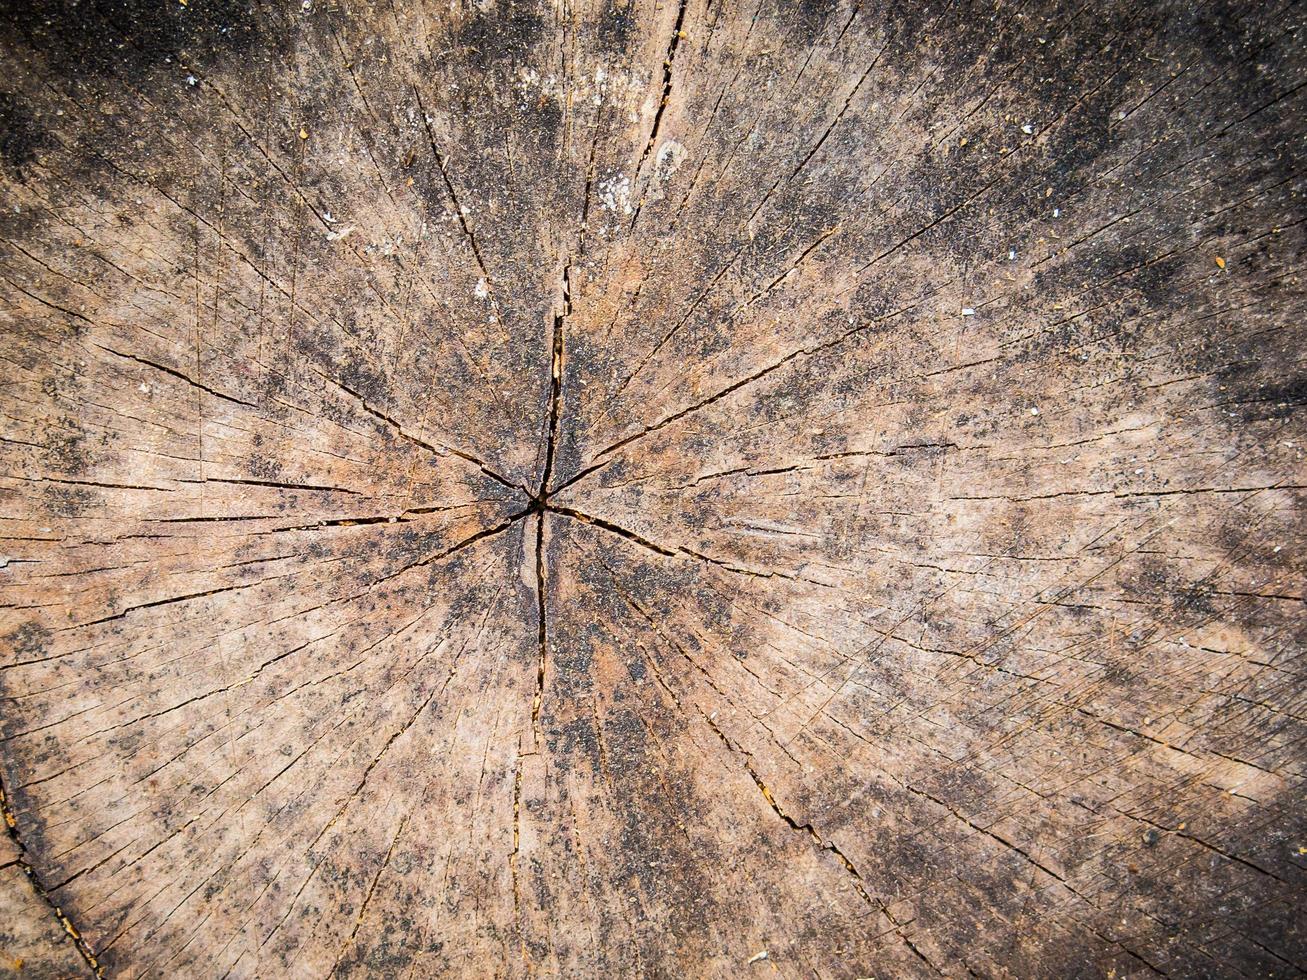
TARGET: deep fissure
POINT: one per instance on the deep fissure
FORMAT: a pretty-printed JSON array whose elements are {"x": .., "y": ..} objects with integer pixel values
[
  {"x": 539, "y": 503},
  {"x": 555, "y": 383}
]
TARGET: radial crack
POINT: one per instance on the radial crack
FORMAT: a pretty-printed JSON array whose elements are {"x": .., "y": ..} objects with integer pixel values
[
  {"x": 459, "y": 211},
  {"x": 11, "y": 825},
  {"x": 662, "y": 101},
  {"x": 859, "y": 883},
  {"x": 543, "y": 635}
]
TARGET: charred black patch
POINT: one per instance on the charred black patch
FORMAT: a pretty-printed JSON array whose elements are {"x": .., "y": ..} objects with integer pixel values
[
  {"x": 576, "y": 739},
  {"x": 130, "y": 39},
  {"x": 66, "y": 447},
  {"x": 64, "y": 501},
  {"x": 809, "y": 16},
  {"x": 908, "y": 25},
  {"x": 499, "y": 36},
  {"x": 29, "y": 640},
  {"x": 614, "y": 27},
  {"x": 1273, "y": 400},
  {"x": 21, "y": 136}
]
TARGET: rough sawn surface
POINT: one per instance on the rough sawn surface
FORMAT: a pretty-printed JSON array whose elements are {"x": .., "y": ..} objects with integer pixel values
[{"x": 796, "y": 487}]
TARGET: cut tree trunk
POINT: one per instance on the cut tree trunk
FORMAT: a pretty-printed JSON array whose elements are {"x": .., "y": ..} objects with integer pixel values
[{"x": 518, "y": 489}]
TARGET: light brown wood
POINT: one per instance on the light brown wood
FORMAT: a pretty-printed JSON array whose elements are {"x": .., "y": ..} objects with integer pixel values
[{"x": 797, "y": 488}]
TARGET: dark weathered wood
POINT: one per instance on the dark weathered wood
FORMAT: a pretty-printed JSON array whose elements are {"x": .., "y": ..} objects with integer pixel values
[{"x": 506, "y": 489}]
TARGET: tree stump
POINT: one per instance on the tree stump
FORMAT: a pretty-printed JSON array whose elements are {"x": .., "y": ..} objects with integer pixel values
[{"x": 520, "y": 489}]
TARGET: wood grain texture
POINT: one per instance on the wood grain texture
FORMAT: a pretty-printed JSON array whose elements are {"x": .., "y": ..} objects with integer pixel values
[{"x": 713, "y": 488}]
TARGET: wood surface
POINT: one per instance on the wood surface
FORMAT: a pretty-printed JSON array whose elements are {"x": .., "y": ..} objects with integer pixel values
[{"x": 740, "y": 488}]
